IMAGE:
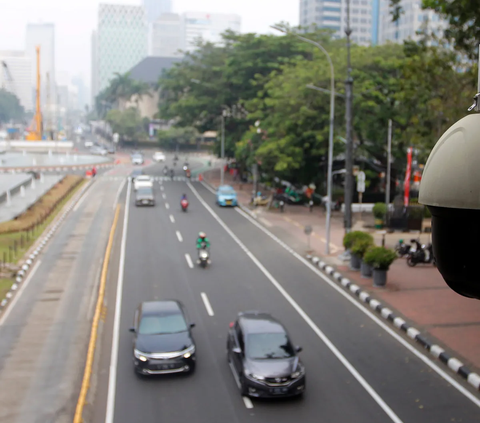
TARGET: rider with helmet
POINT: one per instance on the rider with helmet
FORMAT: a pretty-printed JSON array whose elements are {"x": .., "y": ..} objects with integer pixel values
[{"x": 202, "y": 241}]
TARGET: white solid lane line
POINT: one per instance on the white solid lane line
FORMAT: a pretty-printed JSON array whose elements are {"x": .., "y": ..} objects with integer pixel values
[
  {"x": 179, "y": 236},
  {"x": 172, "y": 219},
  {"x": 112, "y": 379},
  {"x": 167, "y": 206},
  {"x": 353, "y": 371},
  {"x": 248, "y": 402},
  {"x": 207, "y": 304},
  {"x": 19, "y": 292},
  {"x": 189, "y": 260},
  {"x": 367, "y": 312},
  {"x": 120, "y": 189}
]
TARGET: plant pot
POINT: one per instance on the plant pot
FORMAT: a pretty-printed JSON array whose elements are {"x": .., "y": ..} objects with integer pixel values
[
  {"x": 378, "y": 223},
  {"x": 366, "y": 271},
  {"x": 379, "y": 277},
  {"x": 355, "y": 262}
]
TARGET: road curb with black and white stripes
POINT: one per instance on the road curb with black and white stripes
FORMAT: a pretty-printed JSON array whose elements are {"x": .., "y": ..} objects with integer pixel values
[
  {"x": 438, "y": 352},
  {"x": 37, "y": 248},
  {"x": 46, "y": 169}
]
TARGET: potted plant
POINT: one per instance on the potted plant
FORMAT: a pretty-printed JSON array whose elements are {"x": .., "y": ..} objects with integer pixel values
[
  {"x": 379, "y": 212},
  {"x": 415, "y": 214},
  {"x": 380, "y": 258},
  {"x": 359, "y": 249},
  {"x": 349, "y": 240}
]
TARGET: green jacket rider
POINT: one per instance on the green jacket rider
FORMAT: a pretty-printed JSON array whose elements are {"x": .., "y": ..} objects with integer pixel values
[{"x": 202, "y": 238}]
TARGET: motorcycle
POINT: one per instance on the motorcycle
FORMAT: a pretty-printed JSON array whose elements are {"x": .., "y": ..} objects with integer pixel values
[
  {"x": 420, "y": 254},
  {"x": 187, "y": 173},
  {"x": 184, "y": 205},
  {"x": 402, "y": 249},
  {"x": 172, "y": 173},
  {"x": 203, "y": 256}
]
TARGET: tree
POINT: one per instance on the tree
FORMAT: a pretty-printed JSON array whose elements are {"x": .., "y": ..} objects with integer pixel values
[
  {"x": 170, "y": 138},
  {"x": 127, "y": 123},
  {"x": 463, "y": 22},
  {"x": 10, "y": 107}
]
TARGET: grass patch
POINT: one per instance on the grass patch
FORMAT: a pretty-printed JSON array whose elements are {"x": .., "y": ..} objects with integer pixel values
[
  {"x": 13, "y": 245},
  {"x": 5, "y": 285}
]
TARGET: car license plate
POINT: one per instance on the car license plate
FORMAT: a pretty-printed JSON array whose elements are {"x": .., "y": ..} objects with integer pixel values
[
  {"x": 278, "y": 391},
  {"x": 145, "y": 201},
  {"x": 170, "y": 366},
  {"x": 228, "y": 202}
]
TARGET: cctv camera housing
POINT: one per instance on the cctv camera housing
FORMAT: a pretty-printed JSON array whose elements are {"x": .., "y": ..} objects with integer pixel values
[{"x": 451, "y": 189}]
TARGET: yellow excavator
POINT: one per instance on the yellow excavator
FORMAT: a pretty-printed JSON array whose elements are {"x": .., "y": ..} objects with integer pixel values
[{"x": 36, "y": 127}]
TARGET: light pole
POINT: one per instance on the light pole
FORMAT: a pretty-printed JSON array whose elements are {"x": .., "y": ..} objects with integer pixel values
[
  {"x": 330, "y": 136},
  {"x": 349, "y": 132}
]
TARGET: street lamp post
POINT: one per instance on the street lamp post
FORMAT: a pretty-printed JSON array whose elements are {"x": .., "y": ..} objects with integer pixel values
[
  {"x": 330, "y": 135},
  {"x": 222, "y": 153},
  {"x": 349, "y": 132}
]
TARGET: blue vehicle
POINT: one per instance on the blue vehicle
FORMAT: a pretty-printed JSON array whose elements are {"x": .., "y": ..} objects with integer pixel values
[{"x": 226, "y": 196}]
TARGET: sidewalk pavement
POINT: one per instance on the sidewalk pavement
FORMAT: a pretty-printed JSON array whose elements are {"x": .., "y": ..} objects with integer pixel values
[{"x": 417, "y": 294}]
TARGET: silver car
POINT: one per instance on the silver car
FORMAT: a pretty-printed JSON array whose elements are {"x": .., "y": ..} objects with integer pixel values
[{"x": 144, "y": 197}]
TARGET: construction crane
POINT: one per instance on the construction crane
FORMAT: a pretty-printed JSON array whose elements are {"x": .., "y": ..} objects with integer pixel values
[
  {"x": 35, "y": 130},
  {"x": 8, "y": 77}
]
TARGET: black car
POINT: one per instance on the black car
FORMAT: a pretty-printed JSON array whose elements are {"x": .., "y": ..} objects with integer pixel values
[
  {"x": 262, "y": 358},
  {"x": 163, "y": 342},
  {"x": 144, "y": 197}
]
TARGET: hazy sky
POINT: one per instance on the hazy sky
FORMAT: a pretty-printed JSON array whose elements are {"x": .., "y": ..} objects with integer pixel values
[{"x": 76, "y": 19}]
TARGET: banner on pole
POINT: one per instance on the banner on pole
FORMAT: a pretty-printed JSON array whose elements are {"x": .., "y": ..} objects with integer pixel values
[{"x": 406, "y": 198}]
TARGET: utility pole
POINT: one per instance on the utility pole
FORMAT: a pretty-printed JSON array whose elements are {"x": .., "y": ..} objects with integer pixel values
[
  {"x": 349, "y": 132},
  {"x": 222, "y": 153},
  {"x": 387, "y": 183}
]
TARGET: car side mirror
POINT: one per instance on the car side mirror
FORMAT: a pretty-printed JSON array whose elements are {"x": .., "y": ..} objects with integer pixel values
[
  {"x": 298, "y": 349},
  {"x": 236, "y": 350},
  {"x": 192, "y": 325},
  {"x": 132, "y": 330}
]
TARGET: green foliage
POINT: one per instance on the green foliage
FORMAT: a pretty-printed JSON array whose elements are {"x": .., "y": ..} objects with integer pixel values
[
  {"x": 416, "y": 211},
  {"x": 463, "y": 22},
  {"x": 361, "y": 245},
  {"x": 127, "y": 123},
  {"x": 170, "y": 138},
  {"x": 10, "y": 107},
  {"x": 353, "y": 237},
  {"x": 379, "y": 210},
  {"x": 379, "y": 257}
]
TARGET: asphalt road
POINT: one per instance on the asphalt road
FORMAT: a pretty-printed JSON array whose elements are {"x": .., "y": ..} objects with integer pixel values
[
  {"x": 356, "y": 370},
  {"x": 44, "y": 336}
]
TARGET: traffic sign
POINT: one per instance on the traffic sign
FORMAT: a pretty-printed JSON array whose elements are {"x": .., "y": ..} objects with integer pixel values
[
  {"x": 361, "y": 176},
  {"x": 308, "y": 230}
]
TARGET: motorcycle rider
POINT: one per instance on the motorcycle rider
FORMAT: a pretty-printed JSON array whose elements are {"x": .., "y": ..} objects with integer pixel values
[
  {"x": 202, "y": 241},
  {"x": 172, "y": 173},
  {"x": 184, "y": 197}
]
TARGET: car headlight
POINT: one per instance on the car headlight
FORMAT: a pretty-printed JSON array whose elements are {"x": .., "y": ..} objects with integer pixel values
[
  {"x": 138, "y": 354},
  {"x": 257, "y": 377},
  {"x": 299, "y": 372},
  {"x": 189, "y": 352}
]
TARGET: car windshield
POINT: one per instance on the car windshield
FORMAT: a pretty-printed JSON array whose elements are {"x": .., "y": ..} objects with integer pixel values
[
  {"x": 162, "y": 324},
  {"x": 268, "y": 346},
  {"x": 227, "y": 191},
  {"x": 143, "y": 178},
  {"x": 144, "y": 191}
]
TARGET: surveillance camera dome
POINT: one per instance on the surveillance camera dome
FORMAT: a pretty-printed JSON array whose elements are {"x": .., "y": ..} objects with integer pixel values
[{"x": 450, "y": 188}]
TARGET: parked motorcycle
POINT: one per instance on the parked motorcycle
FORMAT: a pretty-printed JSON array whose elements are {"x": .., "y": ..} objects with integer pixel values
[
  {"x": 420, "y": 254},
  {"x": 402, "y": 249},
  {"x": 184, "y": 205}
]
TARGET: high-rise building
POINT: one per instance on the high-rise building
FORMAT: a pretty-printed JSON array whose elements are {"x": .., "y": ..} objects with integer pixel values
[
  {"x": 167, "y": 36},
  {"x": 16, "y": 76},
  {"x": 155, "y": 8},
  {"x": 412, "y": 21},
  {"x": 332, "y": 14},
  {"x": 43, "y": 35},
  {"x": 208, "y": 26},
  {"x": 122, "y": 40},
  {"x": 94, "y": 69},
  {"x": 81, "y": 90}
]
